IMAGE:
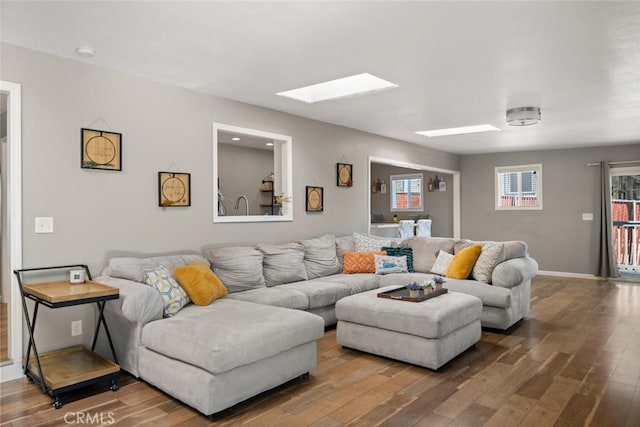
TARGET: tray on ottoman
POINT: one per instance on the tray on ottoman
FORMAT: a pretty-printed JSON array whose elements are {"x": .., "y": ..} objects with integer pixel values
[{"x": 402, "y": 294}]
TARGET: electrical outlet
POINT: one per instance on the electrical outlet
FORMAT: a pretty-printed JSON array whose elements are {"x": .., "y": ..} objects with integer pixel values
[
  {"x": 587, "y": 216},
  {"x": 76, "y": 328},
  {"x": 44, "y": 224}
]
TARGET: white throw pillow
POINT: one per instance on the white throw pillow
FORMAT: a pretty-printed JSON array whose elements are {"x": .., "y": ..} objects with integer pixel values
[
  {"x": 442, "y": 263},
  {"x": 492, "y": 254},
  {"x": 366, "y": 243},
  {"x": 386, "y": 264}
]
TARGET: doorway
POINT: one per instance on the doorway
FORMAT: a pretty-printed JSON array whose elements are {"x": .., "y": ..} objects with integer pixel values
[
  {"x": 625, "y": 217},
  {"x": 379, "y": 201},
  {"x": 11, "y": 229}
]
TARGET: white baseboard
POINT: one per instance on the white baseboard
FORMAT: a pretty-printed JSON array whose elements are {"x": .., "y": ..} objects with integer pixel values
[{"x": 565, "y": 274}]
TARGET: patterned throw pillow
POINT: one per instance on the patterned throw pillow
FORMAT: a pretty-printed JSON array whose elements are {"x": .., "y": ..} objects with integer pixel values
[
  {"x": 390, "y": 264},
  {"x": 366, "y": 243},
  {"x": 492, "y": 254},
  {"x": 408, "y": 252},
  {"x": 360, "y": 262},
  {"x": 173, "y": 296},
  {"x": 442, "y": 263}
]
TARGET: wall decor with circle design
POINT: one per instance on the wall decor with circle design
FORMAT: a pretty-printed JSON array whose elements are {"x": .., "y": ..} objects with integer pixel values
[
  {"x": 345, "y": 175},
  {"x": 174, "y": 189},
  {"x": 101, "y": 149},
  {"x": 314, "y": 199}
]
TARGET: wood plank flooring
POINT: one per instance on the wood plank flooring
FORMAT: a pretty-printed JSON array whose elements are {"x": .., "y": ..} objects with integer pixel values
[{"x": 574, "y": 361}]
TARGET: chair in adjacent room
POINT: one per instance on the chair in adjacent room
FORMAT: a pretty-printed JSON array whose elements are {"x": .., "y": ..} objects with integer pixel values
[
  {"x": 424, "y": 228},
  {"x": 405, "y": 229}
]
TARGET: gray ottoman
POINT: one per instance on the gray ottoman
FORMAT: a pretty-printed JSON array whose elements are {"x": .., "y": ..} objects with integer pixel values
[{"x": 427, "y": 333}]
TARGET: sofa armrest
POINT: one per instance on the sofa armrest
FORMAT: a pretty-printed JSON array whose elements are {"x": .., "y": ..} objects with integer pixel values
[
  {"x": 138, "y": 303},
  {"x": 514, "y": 271}
]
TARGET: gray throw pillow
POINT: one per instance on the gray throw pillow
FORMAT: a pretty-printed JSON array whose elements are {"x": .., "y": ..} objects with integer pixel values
[
  {"x": 238, "y": 267},
  {"x": 283, "y": 263},
  {"x": 320, "y": 257}
]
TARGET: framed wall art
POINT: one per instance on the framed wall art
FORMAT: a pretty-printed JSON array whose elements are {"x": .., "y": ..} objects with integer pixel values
[
  {"x": 345, "y": 175},
  {"x": 314, "y": 199},
  {"x": 174, "y": 189},
  {"x": 101, "y": 149}
]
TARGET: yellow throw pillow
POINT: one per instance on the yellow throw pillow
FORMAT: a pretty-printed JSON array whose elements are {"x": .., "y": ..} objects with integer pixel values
[
  {"x": 462, "y": 263},
  {"x": 200, "y": 283}
]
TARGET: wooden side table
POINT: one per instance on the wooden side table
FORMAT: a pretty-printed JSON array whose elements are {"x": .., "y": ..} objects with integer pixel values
[{"x": 67, "y": 369}]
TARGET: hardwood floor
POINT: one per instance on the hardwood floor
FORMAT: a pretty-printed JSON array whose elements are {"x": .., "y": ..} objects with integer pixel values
[{"x": 574, "y": 361}]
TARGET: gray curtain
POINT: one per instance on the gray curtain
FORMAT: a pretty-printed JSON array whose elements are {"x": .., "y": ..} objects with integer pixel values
[{"x": 607, "y": 262}]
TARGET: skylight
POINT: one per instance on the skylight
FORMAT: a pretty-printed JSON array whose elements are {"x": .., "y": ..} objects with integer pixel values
[
  {"x": 339, "y": 88},
  {"x": 458, "y": 131}
]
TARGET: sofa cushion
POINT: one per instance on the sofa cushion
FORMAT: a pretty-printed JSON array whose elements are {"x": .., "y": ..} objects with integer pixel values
[
  {"x": 277, "y": 295},
  {"x": 238, "y": 267},
  {"x": 425, "y": 251},
  {"x": 320, "y": 292},
  {"x": 229, "y": 333},
  {"x": 512, "y": 248},
  {"x": 462, "y": 263},
  {"x": 492, "y": 254},
  {"x": 132, "y": 268},
  {"x": 173, "y": 295},
  {"x": 200, "y": 283},
  {"x": 320, "y": 257},
  {"x": 368, "y": 243},
  {"x": 390, "y": 264},
  {"x": 355, "y": 282},
  {"x": 442, "y": 263},
  {"x": 359, "y": 262},
  {"x": 408, "y": 252},
  {"x": 515, "y": 249},
  {"x": 283, "y": 263}
]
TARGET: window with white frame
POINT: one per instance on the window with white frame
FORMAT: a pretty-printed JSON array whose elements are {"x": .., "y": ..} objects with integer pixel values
[
  {"x": 406, "y": 192},
  {"x": 519, "y": 187}
]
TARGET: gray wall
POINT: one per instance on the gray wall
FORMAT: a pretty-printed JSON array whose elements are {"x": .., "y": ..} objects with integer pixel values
[
  {"x": 558, "y": 238},
  {"x": 439, "y": 205},
  {"x": 242, "y": 170},
  {"x": 162, "y": 125}
]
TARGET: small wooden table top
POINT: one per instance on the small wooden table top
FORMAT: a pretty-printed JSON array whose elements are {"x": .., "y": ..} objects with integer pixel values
[{"x": 64, "y": 291}]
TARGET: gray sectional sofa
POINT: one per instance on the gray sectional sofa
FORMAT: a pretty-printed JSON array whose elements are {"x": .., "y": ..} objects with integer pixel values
[{"x": 281, "y": 297}]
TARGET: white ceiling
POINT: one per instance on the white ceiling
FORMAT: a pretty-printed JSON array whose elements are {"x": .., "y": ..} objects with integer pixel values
[{"x": 456, "y": 63}]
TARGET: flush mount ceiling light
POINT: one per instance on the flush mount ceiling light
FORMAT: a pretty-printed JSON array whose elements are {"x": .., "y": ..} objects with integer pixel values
[
  {"x": 458, "y": 131},
  {"x": 339, "y": 88},
  {"x": 86, "y": 51},
  {"x": 523, "y": 116}
]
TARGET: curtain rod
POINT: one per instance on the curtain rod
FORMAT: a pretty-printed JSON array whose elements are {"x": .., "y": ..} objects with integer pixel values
[{"x": 624, "y": 162}]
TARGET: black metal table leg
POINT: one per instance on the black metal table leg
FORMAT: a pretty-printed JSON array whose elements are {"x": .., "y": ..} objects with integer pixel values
[{"x": 103, "y": 321}]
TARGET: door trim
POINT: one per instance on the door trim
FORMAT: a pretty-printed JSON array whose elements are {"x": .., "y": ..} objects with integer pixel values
[{"x": 13, "y": 369}]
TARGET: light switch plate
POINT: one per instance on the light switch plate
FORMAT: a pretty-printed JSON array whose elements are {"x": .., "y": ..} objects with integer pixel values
[
  {"x": 44, "y": 224},
  {"x": 587, "y": 217}
]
